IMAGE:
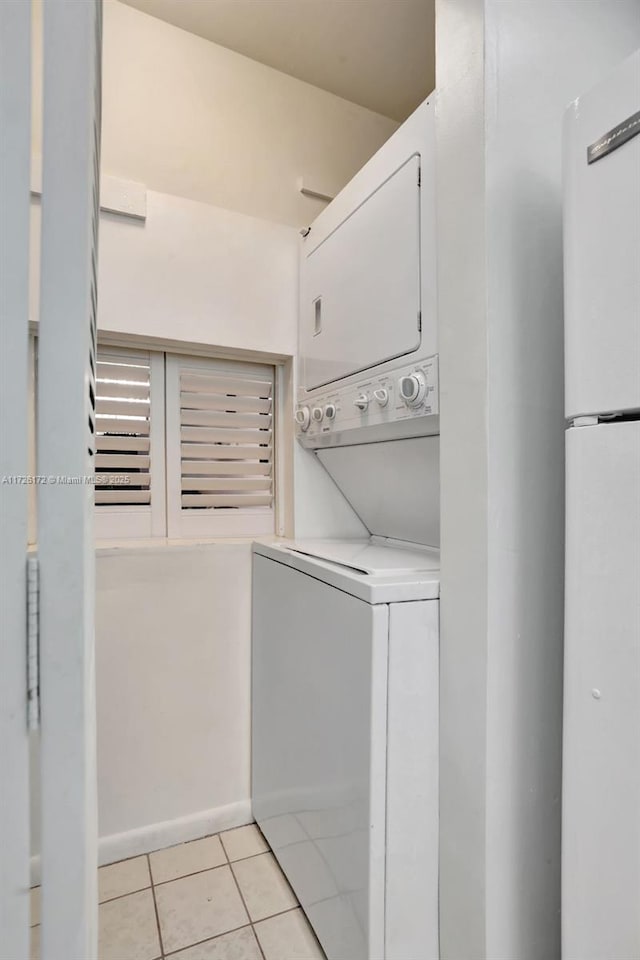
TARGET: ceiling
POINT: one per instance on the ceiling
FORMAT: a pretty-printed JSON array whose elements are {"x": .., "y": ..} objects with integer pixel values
[{"x": 377, "y": 53}]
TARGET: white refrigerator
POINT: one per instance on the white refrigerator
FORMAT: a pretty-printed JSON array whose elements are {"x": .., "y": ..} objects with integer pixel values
[{"x": 601, "y": 766}]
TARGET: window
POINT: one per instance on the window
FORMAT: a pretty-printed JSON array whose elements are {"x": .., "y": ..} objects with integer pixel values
[
  {"x": 129, "y": 444},
  {"x": 219, "y": 447},
  {"x": 184, "y": 446}
]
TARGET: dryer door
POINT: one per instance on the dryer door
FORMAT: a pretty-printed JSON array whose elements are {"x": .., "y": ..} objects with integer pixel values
[{"x": 361, "y": 285}]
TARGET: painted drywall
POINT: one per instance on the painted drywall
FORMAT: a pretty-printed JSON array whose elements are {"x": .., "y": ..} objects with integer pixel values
[
  {"x": 200, "y": 274},
  {"x": 506, "y": 73},
  {"x": 190, "y": 118},
  {"x": 173, "y": 674},
  {"x": 461, "y": 247},
  {"x": 195, "y": 273}
]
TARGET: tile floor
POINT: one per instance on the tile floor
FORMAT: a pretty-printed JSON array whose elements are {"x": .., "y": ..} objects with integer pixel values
[{"x": 220, "y": 898}]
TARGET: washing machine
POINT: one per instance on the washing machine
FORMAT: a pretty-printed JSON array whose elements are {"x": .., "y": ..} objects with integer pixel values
[
  {"x": 345, "y": 632},
  {"x": 345, "y": 738}
]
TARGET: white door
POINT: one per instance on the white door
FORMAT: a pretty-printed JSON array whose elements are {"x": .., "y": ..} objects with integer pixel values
[
  {"x": 15, "y": 126},
  {"x": 66, "y": 453},
  {"x": 361, "y": 285},
  {"x": 602, "y": 246},
  {"x": 601, "y": 766}
]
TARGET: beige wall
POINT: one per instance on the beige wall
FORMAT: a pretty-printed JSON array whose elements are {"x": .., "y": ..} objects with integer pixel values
[{"x": 190, "y": 118}]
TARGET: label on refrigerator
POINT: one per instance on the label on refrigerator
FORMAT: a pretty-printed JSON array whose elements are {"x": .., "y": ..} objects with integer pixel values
[{"x": 615, "y": 138}]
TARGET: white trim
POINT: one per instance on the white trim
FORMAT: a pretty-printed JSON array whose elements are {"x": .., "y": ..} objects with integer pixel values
[
  {"x": 124, "y": 197},
  {"x": 65, "y": 447},
  {"x": 191, "y": 348},
  {"x": 15, "y": 126},
  {"x": 157, "y": 836}
]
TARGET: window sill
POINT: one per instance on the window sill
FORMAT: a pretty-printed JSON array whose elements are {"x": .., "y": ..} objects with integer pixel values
[{"x": 111, "y": 547}]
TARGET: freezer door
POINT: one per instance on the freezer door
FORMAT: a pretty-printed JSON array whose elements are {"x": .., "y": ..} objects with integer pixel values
[
  {"x": 319, "y": 709},
  {"x": 361, "y": 285},
  {"x": 601, "y": 768},
  {"x": 602, "y": 246}
]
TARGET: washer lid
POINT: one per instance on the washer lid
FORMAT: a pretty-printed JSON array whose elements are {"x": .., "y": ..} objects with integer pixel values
[
  {"x": 375, "y": 571},
  {"x": 368, "y": 557}
]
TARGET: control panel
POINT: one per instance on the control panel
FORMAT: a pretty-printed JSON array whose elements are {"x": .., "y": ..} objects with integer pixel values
[{"x": 368, "y": 409}]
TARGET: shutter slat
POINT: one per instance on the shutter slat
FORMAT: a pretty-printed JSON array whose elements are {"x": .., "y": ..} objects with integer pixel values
[
  {"x": 135, "y": 479},
  {"x": 104, "y": 443},
  {"x": 206, "y": 418},
  {"x": 227, "y": 484},
  {"x": 120, "y": 390},
  {"x": 121, "y": 371},
  {"x": 113, "y": 461},
  {"x": 208, "y": 384},
  {"x": 123, "y": 497},
  {"x": 206, "y": 451},
  {"x": 196, "y": 401},
  {"x": 122, "y": 408},
  {"x": 231, "y": 468},
  {"x": 122, "y": 425},
  {"x": 226, "y": 500},
  {"x": 225, "y": 436}
]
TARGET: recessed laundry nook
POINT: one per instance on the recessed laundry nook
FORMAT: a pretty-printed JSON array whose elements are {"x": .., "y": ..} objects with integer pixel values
[{"x": 319, "y": 457}]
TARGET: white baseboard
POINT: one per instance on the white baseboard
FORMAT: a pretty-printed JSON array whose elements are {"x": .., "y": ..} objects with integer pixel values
[{"x": 156, "y": 836}]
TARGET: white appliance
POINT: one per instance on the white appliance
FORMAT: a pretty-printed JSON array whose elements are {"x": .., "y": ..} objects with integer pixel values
[
  {"x": 601, "y": 769},
  {"x": 368, "y": 271},
  {"x": 345, "y": 632},
  {"x": 345, "y": 739}
]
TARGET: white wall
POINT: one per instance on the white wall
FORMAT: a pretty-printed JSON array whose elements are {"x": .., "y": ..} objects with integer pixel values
[
  {"x": 506, "y": 71},
  {"x": 173, "y": 666},
  {"x": 195, "y": 273},
  {"x": 200, "y": 274},
  {"x": 190, "y": 118}
]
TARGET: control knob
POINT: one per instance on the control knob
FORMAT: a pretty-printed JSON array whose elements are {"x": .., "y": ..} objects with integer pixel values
[
  {"x": 330, "y": 411},
  {"x": 413, "y": 388},
  {"x": 317, "y": 414},
  {"x": 362, "y": 402},
  {"x": 381, "y": 396},
  {"x": 303, "y": 418}
]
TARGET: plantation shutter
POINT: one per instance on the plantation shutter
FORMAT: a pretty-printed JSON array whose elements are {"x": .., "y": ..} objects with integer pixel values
[
  {"x": 130, "y": 482},
  {"x": 219, "y": 447},
  {"x": 123, "y": 428}
]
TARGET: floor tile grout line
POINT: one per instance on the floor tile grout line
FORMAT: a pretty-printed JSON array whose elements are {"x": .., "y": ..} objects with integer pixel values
[
  {"x": 251, "y": 856},
  {"x": 280, "y": 913},
  {"x": 155, "y": 908},
  {"x": 235, "y": 880},
  {"x": 194, "y": 873},
  {"x": 199, "y": 943},
  {"x": 257, "y": 939},
  {"x": 121, "y": 896}
]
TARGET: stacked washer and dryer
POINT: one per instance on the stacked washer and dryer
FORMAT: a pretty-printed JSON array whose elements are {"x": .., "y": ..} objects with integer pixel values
[{"x": 346, "y": 632}]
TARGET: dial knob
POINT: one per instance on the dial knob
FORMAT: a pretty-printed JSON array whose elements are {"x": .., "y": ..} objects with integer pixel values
[
  {"x": 330, "y": 411},
  {"x": 381, "y": 396},
  {"x": 362, "y": 402},
  {"x": 303, "y": 418},
  {"x": 317, "y": 414},
  {"x": 413, "y": 388}
]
